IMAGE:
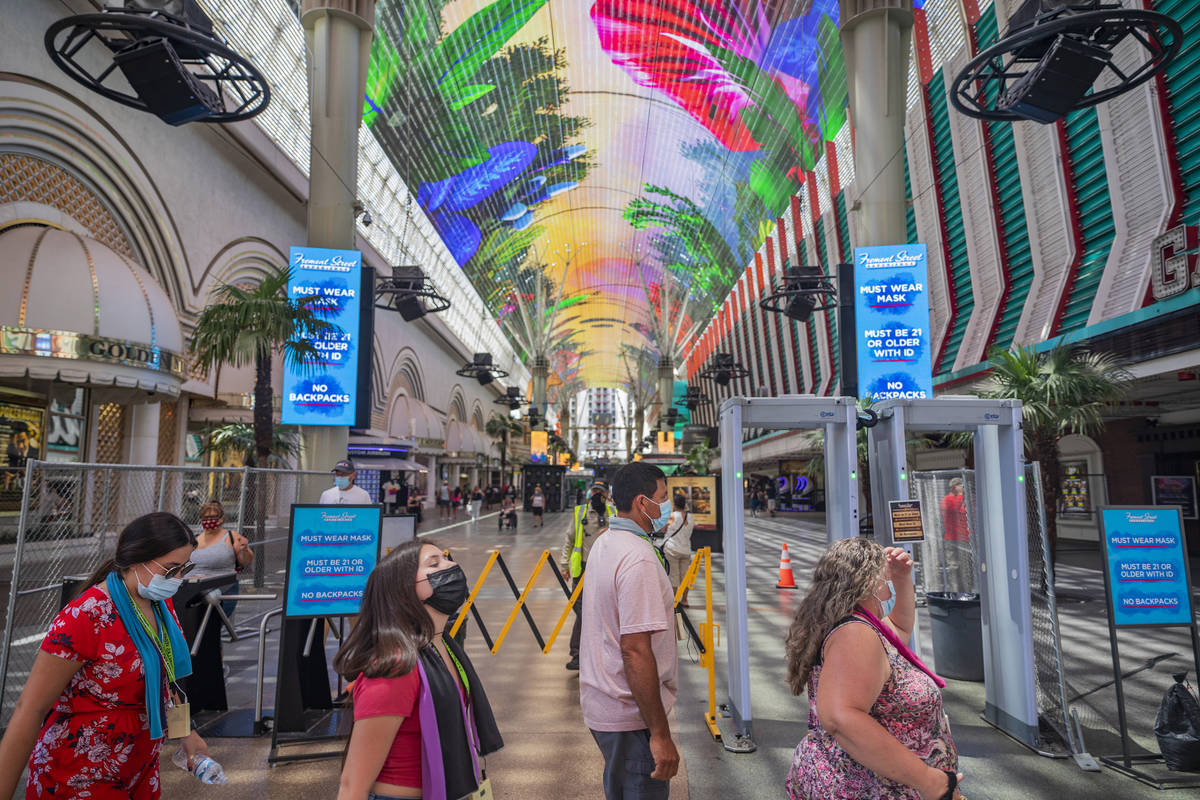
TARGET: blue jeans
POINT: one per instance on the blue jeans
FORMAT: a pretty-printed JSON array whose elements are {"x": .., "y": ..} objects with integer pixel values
[{"x": 627, "y": 766}]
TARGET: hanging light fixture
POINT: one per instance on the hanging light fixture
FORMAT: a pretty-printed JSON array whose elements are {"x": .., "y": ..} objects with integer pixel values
[
  {"x": 480, "y": 368},
  {"x": 176, "y": 65},
  {"x": 723, "y": 369},
  {"x": 1047, "y": 64}
]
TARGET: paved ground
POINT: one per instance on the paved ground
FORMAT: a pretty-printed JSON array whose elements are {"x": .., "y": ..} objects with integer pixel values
[{"x": 549, "y": 753}]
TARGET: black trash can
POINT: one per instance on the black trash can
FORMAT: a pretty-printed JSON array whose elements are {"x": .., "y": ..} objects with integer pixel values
[
  {"x": 72, "y": 587},
  {"x": 957, "y": 627}
]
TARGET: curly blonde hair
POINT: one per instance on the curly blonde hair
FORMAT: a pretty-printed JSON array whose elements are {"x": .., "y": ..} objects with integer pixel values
[{"x": 846, "y": 573}]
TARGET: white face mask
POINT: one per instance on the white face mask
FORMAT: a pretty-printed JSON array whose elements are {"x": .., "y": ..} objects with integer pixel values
[
  {"x": 160, "y": 588},
  {"x": 664, "y": 514},
  {"x": 885, "y": 592}
]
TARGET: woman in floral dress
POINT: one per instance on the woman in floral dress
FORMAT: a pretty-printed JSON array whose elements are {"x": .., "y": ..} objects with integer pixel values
[
  {"x": 82, "y": 720},
  {"x": 877, "y": 730}
]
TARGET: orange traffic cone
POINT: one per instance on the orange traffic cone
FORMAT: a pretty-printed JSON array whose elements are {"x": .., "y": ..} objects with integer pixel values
[{"x": 786, "y": 581}]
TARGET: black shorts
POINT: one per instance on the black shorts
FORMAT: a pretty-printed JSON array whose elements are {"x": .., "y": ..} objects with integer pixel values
[
  {"x": 537, "y": 512},
  {"x": 442, "y": 502}
]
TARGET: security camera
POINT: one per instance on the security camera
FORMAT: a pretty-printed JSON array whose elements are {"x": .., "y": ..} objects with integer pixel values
[{"x": 366, "y": 219}]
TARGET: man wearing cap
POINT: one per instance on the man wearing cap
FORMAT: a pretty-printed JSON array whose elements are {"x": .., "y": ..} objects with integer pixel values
[{"x": 344, "y": 492}]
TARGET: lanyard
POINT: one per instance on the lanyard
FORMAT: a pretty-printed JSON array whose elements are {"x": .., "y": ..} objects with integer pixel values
[
  {"x": 617, "y": 525},
  {"x": 462, "y": 673},
  {"x": 653, "y": 547},
  {"x": 161, "y": 642}
]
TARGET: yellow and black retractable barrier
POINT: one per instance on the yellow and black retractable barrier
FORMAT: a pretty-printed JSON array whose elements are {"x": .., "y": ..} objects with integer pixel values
[
  {"x": 703, "y": 638},
  {"x": 520, "y": 595}
]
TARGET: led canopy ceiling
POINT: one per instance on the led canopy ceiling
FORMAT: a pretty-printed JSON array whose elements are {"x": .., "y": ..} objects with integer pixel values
[{"x": 577, "y": 155}]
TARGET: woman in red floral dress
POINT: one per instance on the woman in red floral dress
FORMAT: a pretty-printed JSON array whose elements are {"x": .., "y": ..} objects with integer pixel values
[{"x": 82, "y": 719}]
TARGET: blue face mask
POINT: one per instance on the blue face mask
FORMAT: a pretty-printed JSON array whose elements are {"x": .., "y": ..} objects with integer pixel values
[
  {"x": 664, "y": 514},
  {"x": 341, "y": 482},
  {"x": 160, "y": 588}
]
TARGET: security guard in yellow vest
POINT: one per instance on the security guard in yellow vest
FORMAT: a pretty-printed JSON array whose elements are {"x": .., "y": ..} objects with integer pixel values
[{"x": 588, "y": 522}]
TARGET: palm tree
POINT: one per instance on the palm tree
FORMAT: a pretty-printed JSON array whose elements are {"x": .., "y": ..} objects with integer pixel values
[
  {"x": 247, "y": 326},
  {"x": 501, "y": 429},
  {"x": 699, "y": 456},
  {"x": 641, "y": 384},
  {"x": 237, "y": 439},
  {"x": 1062, "y": 391}
]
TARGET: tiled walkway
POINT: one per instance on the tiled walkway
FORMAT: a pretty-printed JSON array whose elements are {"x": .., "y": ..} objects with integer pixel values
[{"x": 549, "y": 753}]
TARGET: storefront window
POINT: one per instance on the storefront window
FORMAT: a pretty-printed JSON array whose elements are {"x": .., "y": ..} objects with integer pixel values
[
  {"x": 66, "y": 434},
  {"x": 1076, "y": 500}
]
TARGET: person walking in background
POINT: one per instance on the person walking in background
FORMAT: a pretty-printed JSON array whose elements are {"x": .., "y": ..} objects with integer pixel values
[
  {"x": 443, "y": 501},
  {"x": 476, "y": 503},
  {"x": 344, "y": 492},
  {"x": 538, "y": 503},
  {"x": 677, "y": 546},
  {"x": 876, "y": 723},
  {"x": 627, "y": 654},
  {"x": 456, "y": 499},
  {"x": 414, "y": 506},
  {"x": 92, "y": 718},
  {"x": 422, "y": 721},
  {"x": 573, "y": 560}
]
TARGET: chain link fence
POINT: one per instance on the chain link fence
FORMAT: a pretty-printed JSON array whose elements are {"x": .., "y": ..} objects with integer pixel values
[
  {"x": 946, "y": 555},
  {"x": 949, "y": 565},
  {"x": 71, "y": 514}
]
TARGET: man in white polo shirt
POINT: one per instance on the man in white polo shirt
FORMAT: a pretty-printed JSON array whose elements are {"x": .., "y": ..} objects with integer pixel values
[
  {"x": 627, "y": 651},
  {"x": 344, "y": 492}
]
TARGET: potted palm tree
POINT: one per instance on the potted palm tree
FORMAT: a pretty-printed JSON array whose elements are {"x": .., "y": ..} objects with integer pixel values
[
  {"x": 502, "y": 429},
  {"x": 245, "y": 326},
  {"x": 1063, "y": 391}
]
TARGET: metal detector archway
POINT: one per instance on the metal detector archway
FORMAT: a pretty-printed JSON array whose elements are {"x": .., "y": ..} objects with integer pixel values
[
  {"x": 1001, "y": 543},
  {"x": 837, "y": 416}
]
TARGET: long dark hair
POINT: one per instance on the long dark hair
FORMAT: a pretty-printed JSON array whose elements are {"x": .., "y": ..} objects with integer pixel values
[
  {"x": 393, "y": 624},
  {"x": 148, "y": 537}
]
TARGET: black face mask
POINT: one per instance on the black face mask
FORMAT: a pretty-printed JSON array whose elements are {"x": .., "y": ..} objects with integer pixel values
[{"x": 449, "y": 589}]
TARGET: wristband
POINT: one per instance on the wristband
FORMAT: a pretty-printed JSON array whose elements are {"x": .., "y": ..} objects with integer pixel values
[{"x": 951, "y": 784}]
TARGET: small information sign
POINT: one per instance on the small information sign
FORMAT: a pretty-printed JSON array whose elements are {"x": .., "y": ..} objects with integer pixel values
[
  {"x": 1175, "y": 490},
  {"x": 906, "y": 521}
]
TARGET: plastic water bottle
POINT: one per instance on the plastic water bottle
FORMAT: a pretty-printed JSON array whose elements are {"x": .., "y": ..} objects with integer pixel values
[{"x": 206, "y": 770}]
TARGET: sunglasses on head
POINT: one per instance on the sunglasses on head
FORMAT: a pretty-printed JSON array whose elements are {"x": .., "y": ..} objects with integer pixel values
[{"x": 177, "y": 571}]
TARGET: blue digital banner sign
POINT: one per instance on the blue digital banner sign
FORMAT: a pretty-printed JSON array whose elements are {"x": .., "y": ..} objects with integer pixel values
[
  {"x": 331, "y": 551},
  {"x": 1146, "y": 564},
  {"x": 891, "y": 308},
  {"x": 326, "y": 393}
]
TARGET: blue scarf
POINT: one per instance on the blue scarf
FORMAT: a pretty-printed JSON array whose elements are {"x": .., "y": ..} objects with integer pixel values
[{"x": 151, "y": 658}]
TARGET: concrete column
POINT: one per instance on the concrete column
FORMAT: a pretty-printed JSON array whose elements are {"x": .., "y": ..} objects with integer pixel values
[
  {"x": 666, "y": 387},
  {"x": 432, "y": 482},
  {"x": 541, "y": 373},
  {"x": 337, "y": 35},
  {"x": 181, "y": 430},
  {"x": 875, "y": 40},
  {"x": 143, "y": 433}
]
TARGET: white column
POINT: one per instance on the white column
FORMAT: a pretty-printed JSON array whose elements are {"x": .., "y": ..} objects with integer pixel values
[
  {"x": 181, "y": 430},
  {"x": 432, "y": 482},
  {"x": 143, "y": 433},
  {"x": 875, "y": 40}
]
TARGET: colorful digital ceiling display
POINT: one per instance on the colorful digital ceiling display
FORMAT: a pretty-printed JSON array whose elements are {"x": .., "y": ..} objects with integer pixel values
[{"x": 591, "y": 151}]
